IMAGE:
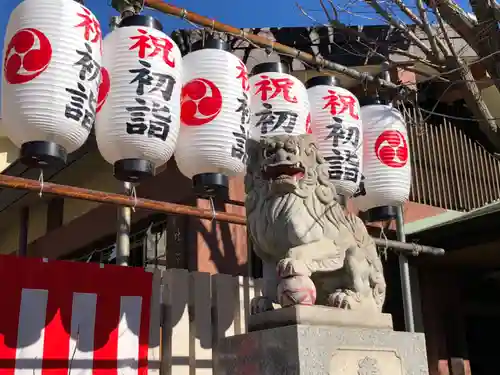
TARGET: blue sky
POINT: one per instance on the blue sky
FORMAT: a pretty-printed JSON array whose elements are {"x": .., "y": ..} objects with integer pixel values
[
  {"x": 254, "y": 13},
  {"x": 249, "y": 13}
]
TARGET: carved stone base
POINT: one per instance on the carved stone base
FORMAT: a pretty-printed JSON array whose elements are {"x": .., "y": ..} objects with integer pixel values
[
  {"x": 323, "y": 350},
  {"x": 318, "y": 316}
]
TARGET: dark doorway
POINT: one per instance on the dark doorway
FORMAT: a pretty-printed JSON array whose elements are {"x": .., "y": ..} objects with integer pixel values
[
  {"x": 482, "y": 323},
  {"x": 483, "y": 334}
]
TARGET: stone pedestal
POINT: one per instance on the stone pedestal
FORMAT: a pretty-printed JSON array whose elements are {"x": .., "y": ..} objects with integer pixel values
[{"x": 321, "y": 347}]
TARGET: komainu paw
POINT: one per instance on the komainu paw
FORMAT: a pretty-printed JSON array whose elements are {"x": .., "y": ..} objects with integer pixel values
[{"x": 260, "y": 304}]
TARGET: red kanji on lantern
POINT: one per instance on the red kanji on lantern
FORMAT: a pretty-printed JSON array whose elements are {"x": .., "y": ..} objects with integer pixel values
[
  {"x": 243, "y": 76},
  {"x": 270, "y": 88},
  {"x": 338, "y": 104},
  {"x": 145, "y": 42},
  {"x": 308, "y": 124},
  {"x": 92, "y": 28}
]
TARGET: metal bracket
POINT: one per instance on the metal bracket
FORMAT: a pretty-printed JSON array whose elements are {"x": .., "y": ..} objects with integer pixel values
[
  {"x": 134, "y": 6},
  {"x": 114, "y": 22}
]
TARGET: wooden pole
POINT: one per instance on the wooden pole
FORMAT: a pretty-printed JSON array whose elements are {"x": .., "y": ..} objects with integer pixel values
[
  {"x": 261, "y": 41},
  {"x": 117, "y": 199},
  {"x": 72, "y": 192}
]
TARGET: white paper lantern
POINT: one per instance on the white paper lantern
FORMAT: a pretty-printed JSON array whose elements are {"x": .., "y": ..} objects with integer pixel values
[
  {"x": 279, "y": 104},
  {"x": 51, "y": 71},
  {"x": 336, "y": 126},
  {"x": 138, "y": 122},
  {"x": 386, "y": 153},
  {"x": 214, "y": 116}
]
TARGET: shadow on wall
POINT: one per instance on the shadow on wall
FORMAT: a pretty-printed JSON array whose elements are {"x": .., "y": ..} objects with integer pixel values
[{"x": 220, "y": 247}]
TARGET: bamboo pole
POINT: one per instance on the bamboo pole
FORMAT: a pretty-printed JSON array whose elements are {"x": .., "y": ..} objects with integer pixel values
[
  {"x": 261, "y": 41},
  {"x": 72, "y": 192},
  {"x": 117, "y": 199}
]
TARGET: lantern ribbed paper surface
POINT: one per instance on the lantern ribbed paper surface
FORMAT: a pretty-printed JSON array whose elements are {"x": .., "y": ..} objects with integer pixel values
[
  {"x": 386, "y": 170},
  {"x": 140, "y": 117},
  {"x": 215, "y": 113},
  {"x": 279, "y": 105},
  {"x": 51, "y": 71},
  {"x": 336, "y": 126}
]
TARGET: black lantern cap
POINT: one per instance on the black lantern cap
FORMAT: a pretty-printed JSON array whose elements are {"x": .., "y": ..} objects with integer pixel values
[
  {"x": 370, "y": 100},
  {"x": 210, "y": 185},
  {"x": 211, "y": 43},
  {"x": 270, "y": 67},
  {"x": 41, "y": 154},
  {"x": 141, "y": 20},
  {"x": 322, "y": 81},
  {"x": 133, "y": 170},
  {"x": 382, "y": 213}
]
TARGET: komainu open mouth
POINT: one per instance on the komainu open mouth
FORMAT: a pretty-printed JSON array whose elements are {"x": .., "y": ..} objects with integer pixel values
[{"x": 283, "y": 171}]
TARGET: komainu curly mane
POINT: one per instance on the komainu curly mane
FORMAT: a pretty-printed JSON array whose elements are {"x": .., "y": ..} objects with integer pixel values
[
  {"x": 307, "y": 213},
  {"x": 290, "y": 202}
]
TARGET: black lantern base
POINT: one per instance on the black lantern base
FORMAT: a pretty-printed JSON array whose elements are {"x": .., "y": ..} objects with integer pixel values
[
  {"x": 133, "y": 170},
  {"x": 210, "y": 185},
  {"x": 41, "y": 154},
  {"x": 383, "y": 213}
]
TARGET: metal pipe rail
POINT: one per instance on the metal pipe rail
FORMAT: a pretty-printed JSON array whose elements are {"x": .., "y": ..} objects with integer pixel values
[{"x": 73, "y": 192}]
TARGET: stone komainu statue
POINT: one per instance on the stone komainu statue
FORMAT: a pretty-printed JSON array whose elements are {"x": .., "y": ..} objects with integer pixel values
[{"x": 313, "y": 252}]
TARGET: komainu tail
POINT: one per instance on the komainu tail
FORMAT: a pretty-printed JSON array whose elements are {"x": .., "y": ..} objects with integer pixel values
[
  {"x": 366, "y": 243},
  {"x": 359, "y": 231}
]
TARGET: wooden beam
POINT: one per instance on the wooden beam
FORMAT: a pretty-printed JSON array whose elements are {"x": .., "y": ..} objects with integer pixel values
[
  {"x": 261, "y": 41},
  {"x": 170, "y": 208}
]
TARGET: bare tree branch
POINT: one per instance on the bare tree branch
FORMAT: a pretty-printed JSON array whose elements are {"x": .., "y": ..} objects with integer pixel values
[
  {"x": 473, "y": 97},
  {"x": 334, "y": 21},
  {"x": 400, "y": 26},
  {"x": 439, "y": 51},
  {"x": 472, "y": 33},
  {"x": 433, "y": 41}
]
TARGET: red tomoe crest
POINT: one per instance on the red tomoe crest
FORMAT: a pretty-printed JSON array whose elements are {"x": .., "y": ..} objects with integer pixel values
[
  {"x": 27, "y": 56},
  {"x": 104, "y": 88},
  {"x": 391, "y": 148},
  {"x": 201, "y": 102}
]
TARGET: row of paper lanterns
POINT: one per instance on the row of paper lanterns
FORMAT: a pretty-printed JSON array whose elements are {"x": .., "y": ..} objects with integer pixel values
[{"x": 149, "y": 103}]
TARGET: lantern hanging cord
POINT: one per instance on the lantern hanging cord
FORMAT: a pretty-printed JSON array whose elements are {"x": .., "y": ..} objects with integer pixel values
[
  {"x": 133, "y": 194},
  {"x": 40, "y": 180},
  {"x": 270, "y": 50},
  {"x": 386, "y": 245},
  {"x": 212, "y": 206}
]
